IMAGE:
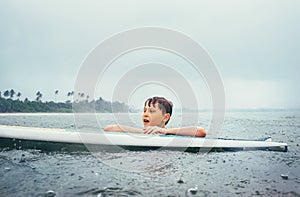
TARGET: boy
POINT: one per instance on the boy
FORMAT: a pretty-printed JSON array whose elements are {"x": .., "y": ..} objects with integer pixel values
[{"x": 157, "y": 113}]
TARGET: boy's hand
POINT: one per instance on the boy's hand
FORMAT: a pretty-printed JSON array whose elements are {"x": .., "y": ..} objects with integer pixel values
[{"x": 154, "y": 130}]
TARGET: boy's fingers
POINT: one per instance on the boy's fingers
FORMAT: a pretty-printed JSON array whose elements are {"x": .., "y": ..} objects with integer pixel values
[
  {"x": 151, "y": 130},
  {"x": 147, "y": 130},
  {"x": 162, "y": 132}
]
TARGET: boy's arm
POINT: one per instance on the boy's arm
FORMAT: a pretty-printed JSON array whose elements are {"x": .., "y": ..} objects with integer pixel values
[
  {"x": 188, "y": 131},
  {"x": 122, "y": 128}
]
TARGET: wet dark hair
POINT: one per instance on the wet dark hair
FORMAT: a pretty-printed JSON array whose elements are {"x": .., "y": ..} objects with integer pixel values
[{"x": 163, "y": 104}]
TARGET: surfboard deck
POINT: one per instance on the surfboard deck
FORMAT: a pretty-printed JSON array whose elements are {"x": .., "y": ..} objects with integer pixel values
[{"x": 47, "y": 139}]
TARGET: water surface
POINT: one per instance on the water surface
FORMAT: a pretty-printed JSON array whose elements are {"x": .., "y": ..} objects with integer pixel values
[{"x": 161, "y": 172}]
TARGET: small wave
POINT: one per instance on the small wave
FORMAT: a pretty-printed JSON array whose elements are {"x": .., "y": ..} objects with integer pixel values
[
  {"x": 110, "y": 191},
  {"x": 289, "y": 117}
]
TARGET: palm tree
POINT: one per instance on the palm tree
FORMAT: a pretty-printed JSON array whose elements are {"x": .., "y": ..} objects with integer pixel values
[
  {"x": 56, "y": 93},
  {"x": 81, "y": 95},
  {"x": 38, "y": 96},
  {"x": 19, "y": 95},
  {"x": 69, "y": 94},
  {"x": 6, "y": 93},
  {"x": 72, "y": 94},
  {"x": 0, "y": 94},
  {"x": 12, "y": 93}
]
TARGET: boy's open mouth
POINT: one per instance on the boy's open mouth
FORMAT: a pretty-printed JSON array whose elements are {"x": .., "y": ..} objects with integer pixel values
[{"x": 146, "y": 121}]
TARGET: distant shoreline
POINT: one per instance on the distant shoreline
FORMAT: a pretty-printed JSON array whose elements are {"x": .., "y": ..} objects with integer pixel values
[
  {"x": 8, "y": 105},
  {"x": 89, "y": 113}
]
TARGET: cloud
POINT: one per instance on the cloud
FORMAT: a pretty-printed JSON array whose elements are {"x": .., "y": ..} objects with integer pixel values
[
  {"x": 255, "y": 44},
  {"x": 241, "y": 93}
]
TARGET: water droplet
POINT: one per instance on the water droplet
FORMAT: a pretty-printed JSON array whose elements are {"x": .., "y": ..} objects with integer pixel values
[
  {"x": 50, "y": 193},
  {"x": 7, "y": 169},
  {"x": 22, "y": 158},
  {"x": 193, "y": 190},
  {"x": 180, "y": 181},
  {"x": 284, "y": 176}
]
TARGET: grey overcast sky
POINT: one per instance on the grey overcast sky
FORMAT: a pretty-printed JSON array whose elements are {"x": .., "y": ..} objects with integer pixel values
[{"x": 255, "y": 45}]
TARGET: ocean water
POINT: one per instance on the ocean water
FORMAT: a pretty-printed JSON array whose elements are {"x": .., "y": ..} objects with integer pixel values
[{"x": 157, "y": 172}]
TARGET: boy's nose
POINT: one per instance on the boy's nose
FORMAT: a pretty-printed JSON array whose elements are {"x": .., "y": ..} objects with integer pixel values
[{"x": 146, "y": 113}]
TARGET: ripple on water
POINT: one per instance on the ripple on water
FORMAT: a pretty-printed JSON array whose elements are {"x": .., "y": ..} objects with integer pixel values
[
  {"x": 161, "y": 173},
  {"x": 109, "y": 191}
]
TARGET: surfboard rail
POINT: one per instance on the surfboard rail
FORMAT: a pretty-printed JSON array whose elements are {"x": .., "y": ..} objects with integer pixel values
[{"x": 65, "y": 140}]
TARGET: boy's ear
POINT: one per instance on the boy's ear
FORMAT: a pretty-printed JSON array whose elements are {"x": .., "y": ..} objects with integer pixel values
[{"x": 167, "y": 117}]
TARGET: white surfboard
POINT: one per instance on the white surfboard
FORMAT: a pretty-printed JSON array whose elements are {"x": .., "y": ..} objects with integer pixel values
[{"x": 66, "y": 140}]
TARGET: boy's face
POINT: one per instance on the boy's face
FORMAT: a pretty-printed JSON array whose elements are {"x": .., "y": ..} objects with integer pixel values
[{"x": 153, "y": 116}]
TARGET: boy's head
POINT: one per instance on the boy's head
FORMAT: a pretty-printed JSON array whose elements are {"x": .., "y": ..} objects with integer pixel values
[{"x": 157, "y": 111}]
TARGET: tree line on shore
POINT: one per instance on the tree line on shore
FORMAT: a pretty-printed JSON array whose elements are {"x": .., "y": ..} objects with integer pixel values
[{"x": 10, "y": 102}]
